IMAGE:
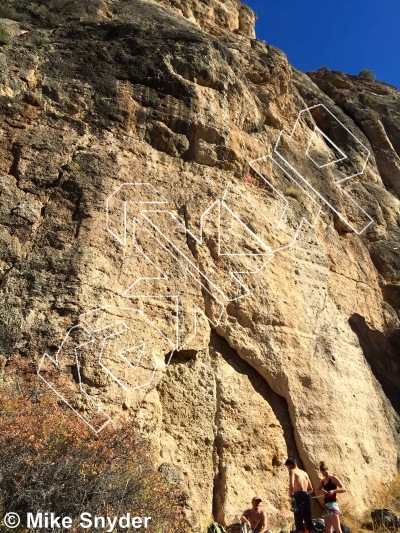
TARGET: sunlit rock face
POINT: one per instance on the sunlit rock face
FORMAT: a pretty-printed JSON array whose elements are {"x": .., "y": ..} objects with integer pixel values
[{"x": 181, "y": 96}]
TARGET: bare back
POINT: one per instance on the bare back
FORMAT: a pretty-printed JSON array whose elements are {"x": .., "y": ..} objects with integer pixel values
[{"x": 299, "y": 481}]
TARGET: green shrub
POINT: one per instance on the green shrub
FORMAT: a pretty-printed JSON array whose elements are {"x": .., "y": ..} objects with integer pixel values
[
  {"x": 323, "y": 69},
  {"x": 367, "y": 99},
  {"x": 367, "y": 74},
  {"x": 4, "y": 36},
  {"x": 38, "y": 39},
  {"x": 49, "y": 13},
  {"x": 10, "y": 11},
  {"x": 56, "y": 12},
  {"x": 53, "y": 13},
  {"x": 7, "y": 12}
]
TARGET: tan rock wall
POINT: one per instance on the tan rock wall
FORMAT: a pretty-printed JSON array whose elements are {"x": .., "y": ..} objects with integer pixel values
[{"x": 286, "y": 371}]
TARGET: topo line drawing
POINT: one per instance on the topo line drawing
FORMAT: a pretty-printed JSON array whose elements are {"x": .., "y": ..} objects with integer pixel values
[{"x": 138, "y": 211}]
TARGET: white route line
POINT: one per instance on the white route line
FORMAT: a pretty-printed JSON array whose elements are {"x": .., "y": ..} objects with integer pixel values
[
  {"x": 147, "y": 224},
  {"x": 342, "y": 180},
  {"x": 196, "y": 309},
  {"x": 56, "y": 362},
  {"x": 344, "y": 156},
  {"x": 126, "y": 328},
  {"x": 187, "y": 260},
  {"x": 161, "y": 201},
  {"x": 303, "y": 219}
]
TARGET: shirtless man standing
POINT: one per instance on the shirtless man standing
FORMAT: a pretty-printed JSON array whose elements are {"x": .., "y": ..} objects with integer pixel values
[
  {"x": 299, "y": 485},
  {"x": 255, "y": 517}
]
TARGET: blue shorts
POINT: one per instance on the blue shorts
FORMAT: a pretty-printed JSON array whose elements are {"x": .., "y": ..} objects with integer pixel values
[
  {"x": 302, "y": 502},
  {"x": 331, "y": 509}
]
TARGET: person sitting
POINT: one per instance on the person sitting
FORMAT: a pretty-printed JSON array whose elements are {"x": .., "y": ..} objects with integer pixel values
[{"x": 255, "y": 517}]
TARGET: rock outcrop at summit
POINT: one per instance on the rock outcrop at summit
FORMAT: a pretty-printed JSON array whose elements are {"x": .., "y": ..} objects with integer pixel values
[{"x": 180, "y": 95}]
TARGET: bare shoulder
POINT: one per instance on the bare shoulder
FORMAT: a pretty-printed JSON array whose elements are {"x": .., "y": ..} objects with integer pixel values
[{"x": 336, "y": 480}]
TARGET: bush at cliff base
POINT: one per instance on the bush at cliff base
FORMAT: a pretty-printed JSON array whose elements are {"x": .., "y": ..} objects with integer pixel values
[{"x": 50, "y": 461}]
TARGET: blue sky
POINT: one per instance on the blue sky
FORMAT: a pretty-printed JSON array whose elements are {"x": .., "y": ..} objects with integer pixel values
[{"x": 346, "y": 35}]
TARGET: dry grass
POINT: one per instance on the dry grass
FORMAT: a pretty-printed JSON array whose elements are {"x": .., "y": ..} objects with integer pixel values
[
  {"x": 388, "y": 496},
  {"x": 385, "y": 497},
  {"x": 349, "y": 517},
  {"x": 293, "y": 193},
  {"x": 286, "y": 528}
]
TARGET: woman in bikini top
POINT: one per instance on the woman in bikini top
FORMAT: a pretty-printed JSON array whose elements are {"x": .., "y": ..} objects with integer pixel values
[
  {"x": 331, "y": 507},
  {"x": 329, "y": 486}
]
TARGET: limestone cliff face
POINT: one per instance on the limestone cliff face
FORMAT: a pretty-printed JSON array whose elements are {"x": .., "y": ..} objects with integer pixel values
[{"x": 180, "y": 95}]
